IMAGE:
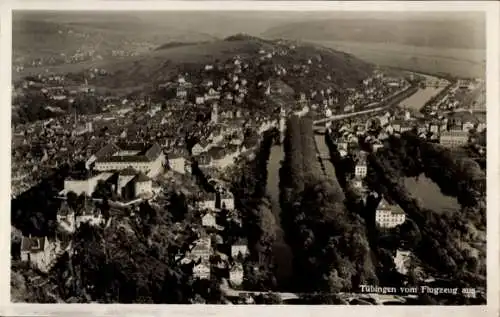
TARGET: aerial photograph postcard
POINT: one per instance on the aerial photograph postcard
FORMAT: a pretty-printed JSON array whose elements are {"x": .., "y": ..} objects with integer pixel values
[{"x": 239, "y": 157}]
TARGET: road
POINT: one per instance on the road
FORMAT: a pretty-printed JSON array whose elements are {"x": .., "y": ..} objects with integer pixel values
[
  {"x": 379, "y": 299},
  {"x": 478, "y": 95},
  {"x": 348, "y": 115},
  {"x": 464, "y": 110}
]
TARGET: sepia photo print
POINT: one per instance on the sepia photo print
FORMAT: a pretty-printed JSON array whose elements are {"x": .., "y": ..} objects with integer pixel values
[{"x": 248, "y": 157}]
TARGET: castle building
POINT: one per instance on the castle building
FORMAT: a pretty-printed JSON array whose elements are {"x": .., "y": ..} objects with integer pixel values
[{"x": 146, "y": 158}]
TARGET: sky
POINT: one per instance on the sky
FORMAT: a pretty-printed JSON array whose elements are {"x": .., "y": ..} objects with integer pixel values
[{"x": 228, "y": 22}]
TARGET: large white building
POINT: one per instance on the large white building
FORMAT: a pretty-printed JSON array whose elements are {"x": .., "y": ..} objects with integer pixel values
[
  {"x": 84, "y": 186},
  {"x": 389, "y": 215},
  {"x": 361, "y": 169},
  {"x": 145, "y": 158},
  {"x": 454, "y": 138}
]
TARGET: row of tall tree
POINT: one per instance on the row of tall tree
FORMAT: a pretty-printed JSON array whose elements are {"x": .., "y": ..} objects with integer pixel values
[
  {"x": 250, "y": 191},
  {"x": 331, "y": 252}
]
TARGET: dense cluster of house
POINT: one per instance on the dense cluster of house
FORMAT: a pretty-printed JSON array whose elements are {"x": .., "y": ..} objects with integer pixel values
[
  {"x": 210, "y": 254},
  {"x": 463, "y": 94},
  {"x": 88, "y": 51},
  {"x": 450, "y": 132},
  {"x": 40, "y": 147},
  {"x": 220, "y": 92},
  {"x": 130, "y": 177},
  {"x": 135, "y": 140}
]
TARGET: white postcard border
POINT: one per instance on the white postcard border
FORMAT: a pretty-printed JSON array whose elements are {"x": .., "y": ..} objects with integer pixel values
[{"x": 491, "y": 9}]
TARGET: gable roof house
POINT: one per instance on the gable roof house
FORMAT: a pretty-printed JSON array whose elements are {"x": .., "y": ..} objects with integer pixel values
[
  {"x": 239, "y": 248},
  {"x": 208, "y": 202},
  {"x": 389, "y": 215},
  {"x": 402, "y": 261},
  {"x": 38, "y": 252},
  {"x": 208, "y": 220},
  {"x": 66, "y": 217},
  {"x": 201, "y": 249},
  {"x": 143, "y": 185},
  {"x": 236, "y": 274},
  {"x": 89, "y": 213},
  {"x": 227, "y": 200},
  {"x": 204, "y": 160},
  {"x": 198, "y": 148},
  {"x": 201, "y": 271}
]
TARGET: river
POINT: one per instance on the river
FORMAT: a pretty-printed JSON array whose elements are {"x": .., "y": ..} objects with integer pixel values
[
  {"x": 430, "y": 196},
  {"x": 282, "y": 252},
  {"x": 420, "y": 98}
]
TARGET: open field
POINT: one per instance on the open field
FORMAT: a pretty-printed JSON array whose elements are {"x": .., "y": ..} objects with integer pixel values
[{"x": 457, "y": 62}]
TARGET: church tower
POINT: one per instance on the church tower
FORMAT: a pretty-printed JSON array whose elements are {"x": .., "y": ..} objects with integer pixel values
[{"x": 215, "y": 113}]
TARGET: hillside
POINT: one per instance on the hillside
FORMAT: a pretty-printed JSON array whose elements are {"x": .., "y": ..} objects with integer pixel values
[
  {"x": 430, "y": 33},
  {"x": 162, "y": 65},
  {"x": 272, "y": 73},
  {"x": 37, "y": 37}
]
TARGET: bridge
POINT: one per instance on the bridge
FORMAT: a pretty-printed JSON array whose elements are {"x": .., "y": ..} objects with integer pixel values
[{"x": 348, "y": 115}]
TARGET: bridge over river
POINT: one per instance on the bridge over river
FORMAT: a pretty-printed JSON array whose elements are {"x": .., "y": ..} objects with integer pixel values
[{"x": 348, "y": 115}]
